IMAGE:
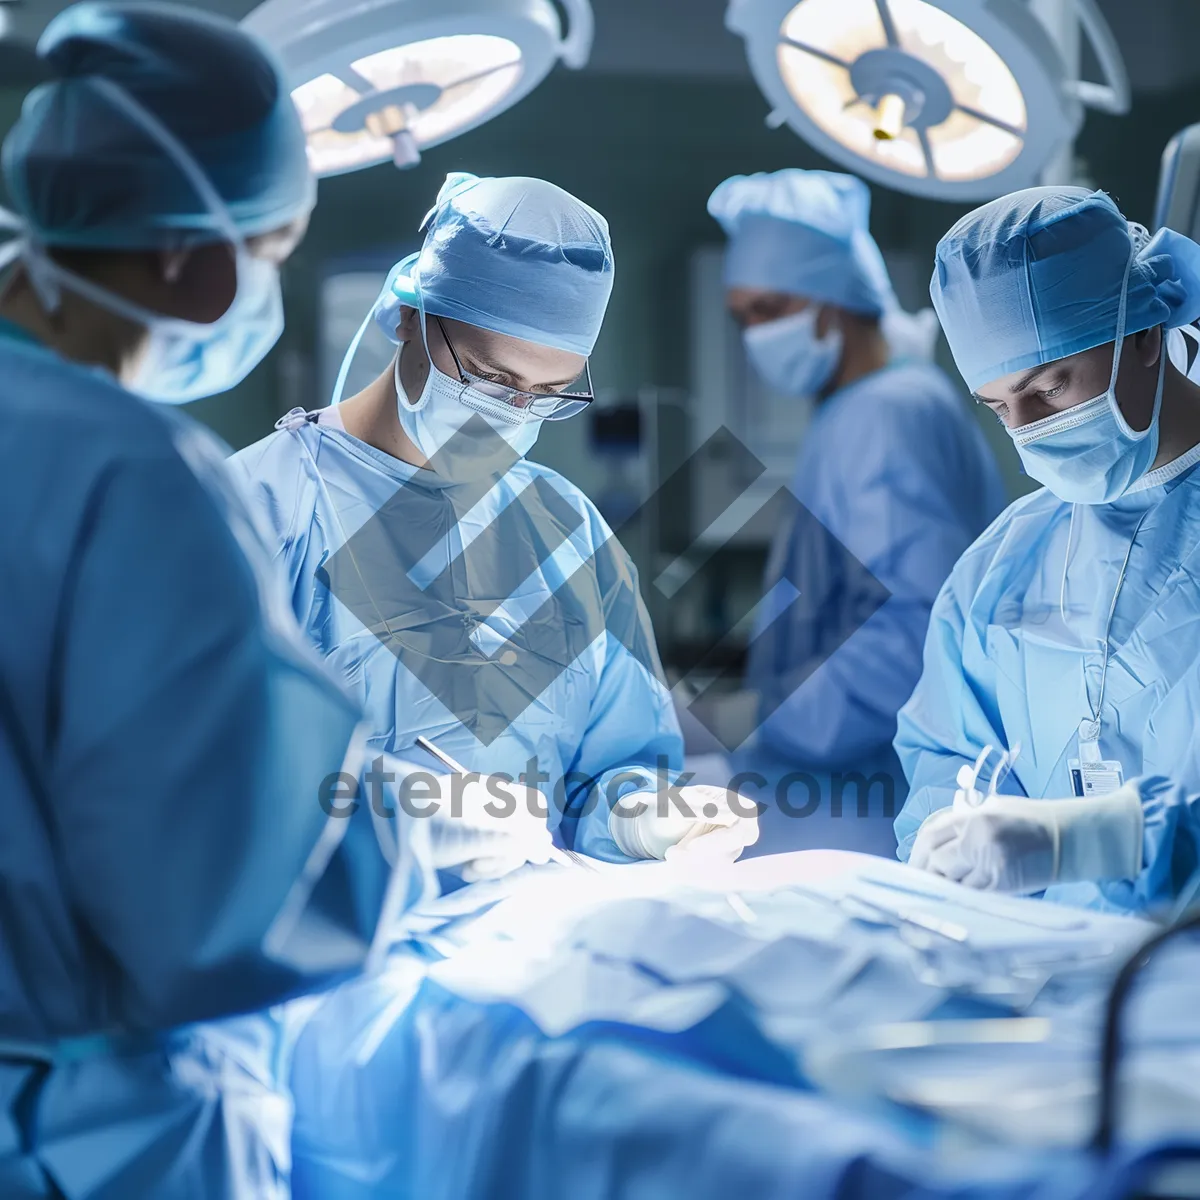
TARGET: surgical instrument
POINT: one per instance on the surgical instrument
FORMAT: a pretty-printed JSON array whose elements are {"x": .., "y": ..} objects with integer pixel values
[{"x": 563, "y": 856}]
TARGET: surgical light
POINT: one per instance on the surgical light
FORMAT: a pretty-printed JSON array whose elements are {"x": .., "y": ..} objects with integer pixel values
[
  {"x": 385, "y": 80},
  {"x": 949, "y": 99}
]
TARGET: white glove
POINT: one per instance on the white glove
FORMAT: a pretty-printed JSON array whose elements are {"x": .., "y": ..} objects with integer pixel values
[
  {"x": 485, "y": 827},
  {"x": 714, "y": 827},
  {"x": 1012, "y": 844}
]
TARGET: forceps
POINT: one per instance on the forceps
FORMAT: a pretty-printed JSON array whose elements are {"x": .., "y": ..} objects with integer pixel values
[{"x": 567, "y": 858}]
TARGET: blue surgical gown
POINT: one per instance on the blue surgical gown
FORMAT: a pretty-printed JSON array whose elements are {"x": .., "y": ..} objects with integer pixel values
[
  {"x": 164, "y": 734},
  {"x": 897, "y": 480},
  {"x": 499, "y": 619},
  {"x": 1015, "y": 655}
]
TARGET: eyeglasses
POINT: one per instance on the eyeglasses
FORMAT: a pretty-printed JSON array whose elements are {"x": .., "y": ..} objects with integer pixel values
[{"x": 557, "y": 406}]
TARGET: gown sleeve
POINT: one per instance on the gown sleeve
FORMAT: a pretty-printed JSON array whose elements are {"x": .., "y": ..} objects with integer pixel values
[
  {"x": 952, "y": 715},
  {"x": 198, "y": 749},
  {"x": 632, "y": 739}
]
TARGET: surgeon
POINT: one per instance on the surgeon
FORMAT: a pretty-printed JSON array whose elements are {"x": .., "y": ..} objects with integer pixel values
[
  {"x": 1067, "y": 638},
  {"x": 464, "y": 593},
  {"x": 169, "y": 745},
  {"x": 894, "y": 474}
]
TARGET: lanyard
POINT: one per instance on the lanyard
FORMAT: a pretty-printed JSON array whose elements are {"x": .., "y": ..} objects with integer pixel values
[{"x": 1089, "y": 727}]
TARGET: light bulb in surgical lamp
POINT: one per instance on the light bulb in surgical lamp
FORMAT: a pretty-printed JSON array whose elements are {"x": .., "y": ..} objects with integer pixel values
[
  {"x": 380, "y": 80},
  {"x": 950, "y": 99},
  {"x": 889, "y": 118}
]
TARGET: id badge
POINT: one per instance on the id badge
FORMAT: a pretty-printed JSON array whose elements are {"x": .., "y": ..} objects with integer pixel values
[{"x": 1097, "y": 778}]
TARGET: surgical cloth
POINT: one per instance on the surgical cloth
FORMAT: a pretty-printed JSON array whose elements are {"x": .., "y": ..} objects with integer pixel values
[
  {"x": 1015, "y": 657},
  {"x": 493, "y": 1072},
  {"x": 894, "y": 481},
  {"x": 517, "y": 256},
  {"x": 805, "y": 233},
  {"x": 83, "y": 174},
  {"x": 1037, "y": 276}
]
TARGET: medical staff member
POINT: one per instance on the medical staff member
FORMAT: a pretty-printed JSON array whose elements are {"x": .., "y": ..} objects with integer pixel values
[
  {"x": 893, "y": 468},
  {"x": 462, "y": 591},
  {"x": 1068, "y": 636},
  {"x": 168, "y": 741}
]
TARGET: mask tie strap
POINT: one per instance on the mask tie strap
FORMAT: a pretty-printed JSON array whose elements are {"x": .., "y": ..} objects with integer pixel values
[
  {"x": 1062, "y": 594},
  {"x": 18, "y": 230},
  {"x": 48, "y": 278},
  {"x": 183, "y": 159},
  {"x": 23, "y": 246},
  {"x": 347, "y": 359},
  {"x": 1120, "y": 339}
]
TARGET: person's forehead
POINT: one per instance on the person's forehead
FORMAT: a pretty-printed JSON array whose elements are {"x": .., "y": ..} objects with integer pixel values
[
  {"x": 1016, "y": 381},
  {"x": 504, "y": 351}
]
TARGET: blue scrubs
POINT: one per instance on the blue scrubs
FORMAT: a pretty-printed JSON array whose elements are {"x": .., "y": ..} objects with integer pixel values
[
  {"x": 1015, "y": 654},
  {"x": 163, "y": 740},
  {"x": 897, "y": 480},
  {"x": 501, "y": 620}
]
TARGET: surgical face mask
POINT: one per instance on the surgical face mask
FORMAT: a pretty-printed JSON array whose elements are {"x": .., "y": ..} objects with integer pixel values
[
  {"x": 182, "y": 360},
  {"x": 461, "y": 432},
  {"x": 1089, "y": 454},
  {"x": 790, "y": 357},
  {"x": 187, "y": 360}
]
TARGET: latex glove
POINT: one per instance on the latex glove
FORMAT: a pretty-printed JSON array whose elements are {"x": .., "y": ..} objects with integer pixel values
[
  {"x": 485, "y": 827},
  {"x": 711, "y": 826},
  {"x": 1013, "y": 844}
]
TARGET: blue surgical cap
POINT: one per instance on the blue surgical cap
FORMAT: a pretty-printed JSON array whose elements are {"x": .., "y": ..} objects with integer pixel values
[
  {"x": 805, "y": 233},
  {"x": 1037, "y": 276},
  {"x": 83, "y": 173},
  {"x": 516, "y": 256}
]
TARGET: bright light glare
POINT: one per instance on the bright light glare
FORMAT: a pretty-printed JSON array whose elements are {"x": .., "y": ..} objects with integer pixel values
[
  {"x": 320, "y": 100},
  {"x": 843, "y": 28},
  {"x": 462, "y": 104},
  {"x": 961, "y": 144},
  {"x": 977, "y": 75},
  {"x": 903, "y": 153},
  {"x": 444, "y": 60},
  {"x": 474, "y": 72},
  {"x": 963, "y": 148}
]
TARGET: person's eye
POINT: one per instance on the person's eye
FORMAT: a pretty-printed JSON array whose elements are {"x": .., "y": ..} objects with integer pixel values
[
  {"x": 1054, "y": 392},
  {"x": 1000, "y": 412}
]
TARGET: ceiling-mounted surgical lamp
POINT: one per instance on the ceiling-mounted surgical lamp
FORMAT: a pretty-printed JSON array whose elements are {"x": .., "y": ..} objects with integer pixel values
[
  {"x": 385, "y": 79},
  {"x": 1178, "y": 203},
  {"x": 949, "y": 99}
]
